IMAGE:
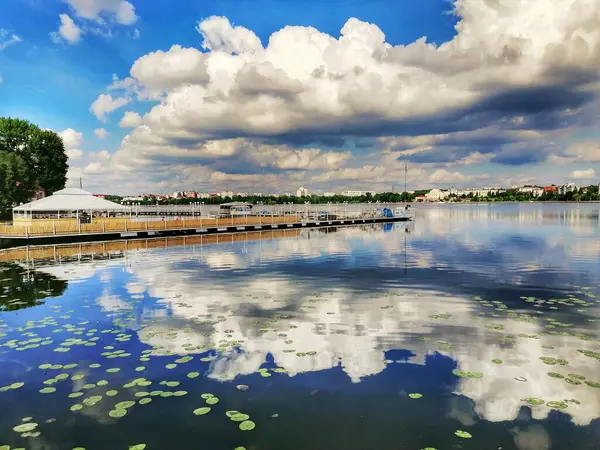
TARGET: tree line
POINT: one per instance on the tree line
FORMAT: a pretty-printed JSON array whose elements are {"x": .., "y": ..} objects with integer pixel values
[
  {"x": 29, "y": 157},
  {"x": 589, "y": 193},
  {"x": 583, "y": 194}
]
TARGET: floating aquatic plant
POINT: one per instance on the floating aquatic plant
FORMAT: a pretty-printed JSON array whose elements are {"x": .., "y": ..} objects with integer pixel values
[
  {"x": 557, "y": 404},
  {"x": 463, "y": 434},
  {"x": 25, "y": 427},
  {"x": 533, "y": 401},
  {"x": 247, "y": 425},
  {"x": 415, "y": 395},
  {"x": 202, "y": 411},
  {"x": 464, "y": 374}
]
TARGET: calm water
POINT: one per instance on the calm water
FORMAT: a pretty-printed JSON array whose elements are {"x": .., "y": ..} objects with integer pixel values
[{"x": 330, "y": 330}]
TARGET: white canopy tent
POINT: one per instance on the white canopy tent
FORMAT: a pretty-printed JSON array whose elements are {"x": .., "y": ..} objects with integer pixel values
[{"x": 69, "y": 202}]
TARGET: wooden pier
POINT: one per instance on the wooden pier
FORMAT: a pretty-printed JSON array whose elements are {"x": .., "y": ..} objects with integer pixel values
[{"x": 51, "y": 232}]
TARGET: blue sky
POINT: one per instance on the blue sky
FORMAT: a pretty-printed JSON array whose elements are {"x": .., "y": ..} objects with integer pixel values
[{"x": 329, "y": 112}]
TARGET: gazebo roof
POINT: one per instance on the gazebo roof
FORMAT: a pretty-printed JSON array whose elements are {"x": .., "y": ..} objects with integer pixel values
[{"x": 71, "y": 199}]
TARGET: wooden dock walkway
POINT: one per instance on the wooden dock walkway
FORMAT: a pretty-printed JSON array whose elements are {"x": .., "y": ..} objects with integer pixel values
[{"x": 57, "y": 232}]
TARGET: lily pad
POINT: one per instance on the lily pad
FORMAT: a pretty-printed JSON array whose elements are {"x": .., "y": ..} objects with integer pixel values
[
  {"x": 247, "y": 425},
  {"x": 111, "y": 393},
  {"x": 240, "y": 417},
  {"x": 137, "y": 447},
  {"x": 557, "y": 405},
  {"x": 533, "y": 401},
  {"x": 25, "y": 427},
  {"x": 415, "y": 395},
  {"x": 125, "y": 404},
  {"x": 193, "y": 374},
  {"x": 464, "y": 374},
  {"x": 463, "y": 434},
  {"x": 202, "y": 411},
  {"x": 116, "y": 413},
  {"x": 48, "y": 390},
  {"x": 212, "y": 401}
]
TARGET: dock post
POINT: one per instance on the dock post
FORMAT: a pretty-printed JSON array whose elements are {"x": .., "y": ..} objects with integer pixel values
[
  {"x": 103, "y": 226},
  {"x": 54, "y": 227}
]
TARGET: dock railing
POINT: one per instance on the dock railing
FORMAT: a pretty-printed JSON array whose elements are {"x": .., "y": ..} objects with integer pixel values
[{"x": 271, "y": 214}]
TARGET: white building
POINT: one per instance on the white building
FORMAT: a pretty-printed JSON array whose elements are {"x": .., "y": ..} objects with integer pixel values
[
  {"x": 302, "y": 192},
  {"x": 329, "y": 194},
  {"x": 226, "y": 194},
  {"x": 436, "y": 195},
  {"x": 133, "y": 199},
  {"x": 357, "y": 193},
  {"x": 535, "y": 191},
  {"x": 566, "y": 188}
]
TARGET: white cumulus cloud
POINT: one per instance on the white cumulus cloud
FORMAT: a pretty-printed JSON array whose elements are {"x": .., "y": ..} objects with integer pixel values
[
  {"x": 101, "y": 133},
  {"x": 105, "y": 104},
  {"x": 67, "y": 31},
  {"x": 122, "y": 11},
  {"x": 486, "y": 95},
  {"x": 130, "y": 119},
  {"x": 584, "y": 174}
]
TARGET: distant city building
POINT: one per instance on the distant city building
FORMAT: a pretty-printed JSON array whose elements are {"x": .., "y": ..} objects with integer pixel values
[
  {"x": 133, "y": 199},
  {"x": 436, "y": 195},
  {"x": 225, "y": 194},
  {"x": 535, "y": 191},
  {"x": 302, "y": 192},
  {"x": 357, "y": 193},
  {"x": 190, "y": 194},
  {"x": 566, "y": 188},
  {"x": 550, "y": 189},
  {"x": 329, "y": 194}
]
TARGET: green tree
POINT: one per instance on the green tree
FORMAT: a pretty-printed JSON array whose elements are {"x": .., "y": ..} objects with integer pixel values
[{"x": 29, "y": 157}]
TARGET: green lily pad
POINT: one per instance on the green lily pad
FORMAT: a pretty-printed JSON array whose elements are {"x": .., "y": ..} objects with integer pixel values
[
  {"x": 247, "y": 425},
  {"x": 17, "y": 385},
  {"x": 206, "y": 396},
  {"x": 464, "y": 374},
  {"x": 113, "y": 370},
  {"x": 111, "y": 393},
  {"x": 25, "y": 427},
  {"x": 415, "y": 395},
  {"x": 201, "y": 411},
  {"x": 125, "y": 404},
  {"x": 557, "y": 405},
  {"x": 145, "y": 401},
  {"x": 171, "y": 366},
  {"x": 48, "y": 390},
  {"x": 555, "y": 375},
  {"x": 533, "y": 401},
  {"x": 193, "y": 374},
  {"x": 593, "y": 384},
  {"x": 116, "y": 413},
  {"x": 137, "y": 447},
  {"x": 463, "y": 434},
  {"x": 497, "y": 361},
  {"x": 76, "y": 407},
  {"x": 212, "y": 401},
  {"x": 240, "y": 417}
]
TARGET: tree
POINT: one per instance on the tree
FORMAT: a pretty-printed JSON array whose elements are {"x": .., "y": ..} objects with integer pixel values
[
  {"x": 29, "y": 157},
  {"x": 49, "y": 160}
]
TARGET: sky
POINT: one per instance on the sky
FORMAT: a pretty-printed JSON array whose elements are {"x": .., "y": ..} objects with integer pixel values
[{"x": 270, "y": 95}]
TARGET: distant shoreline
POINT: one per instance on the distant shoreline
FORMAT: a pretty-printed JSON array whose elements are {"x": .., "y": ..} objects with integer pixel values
[{"x": 583, "y": 202}]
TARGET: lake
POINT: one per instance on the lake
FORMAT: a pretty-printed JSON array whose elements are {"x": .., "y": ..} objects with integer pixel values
[{"x": 473, "y": 327}]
